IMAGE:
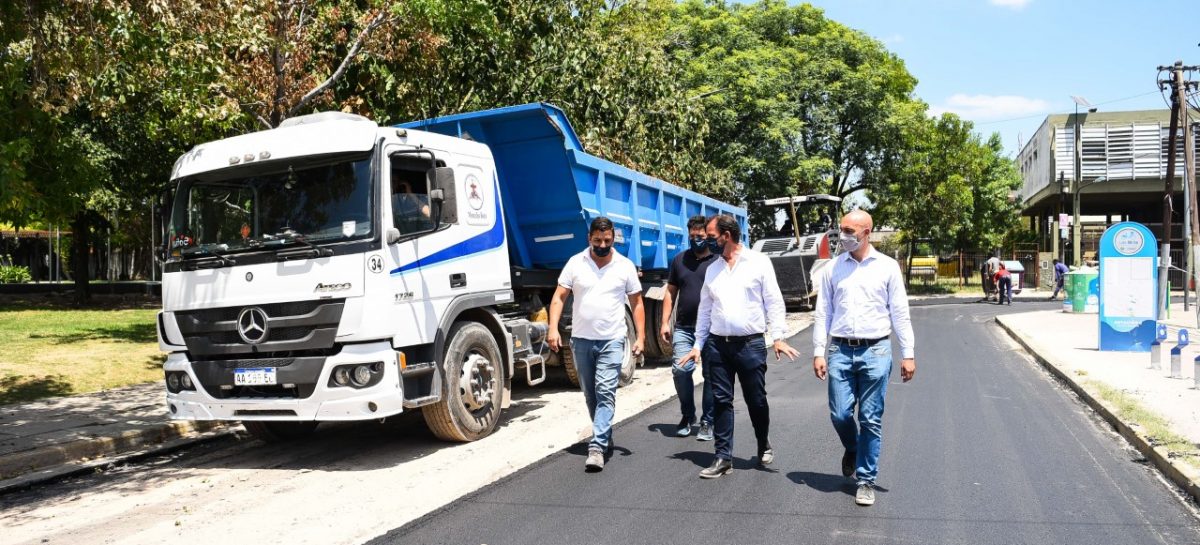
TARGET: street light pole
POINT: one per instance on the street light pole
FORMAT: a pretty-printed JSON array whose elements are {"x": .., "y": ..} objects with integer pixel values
[{"x": 1079, "y": 101}]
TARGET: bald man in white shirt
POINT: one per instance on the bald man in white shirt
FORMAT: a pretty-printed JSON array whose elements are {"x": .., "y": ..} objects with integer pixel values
[
  {"x": 862, "y": 302},
  {"x": 739, "y": 303}
]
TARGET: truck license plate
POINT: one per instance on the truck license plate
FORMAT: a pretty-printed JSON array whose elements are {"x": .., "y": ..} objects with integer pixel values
[{"x": 258, "y": 376}]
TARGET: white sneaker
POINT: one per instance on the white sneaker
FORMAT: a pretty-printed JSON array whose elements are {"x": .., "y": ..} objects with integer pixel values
[
  {"x": 865, "y": 495},
  {"x": 595, "y": 461}
]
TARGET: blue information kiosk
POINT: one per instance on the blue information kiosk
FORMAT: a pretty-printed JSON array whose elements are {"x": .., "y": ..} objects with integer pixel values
[{"x": 1128, "y": 288}]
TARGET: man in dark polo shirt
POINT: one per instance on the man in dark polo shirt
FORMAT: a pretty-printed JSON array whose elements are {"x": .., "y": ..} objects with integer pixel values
[{"x": 684, "y": 281}]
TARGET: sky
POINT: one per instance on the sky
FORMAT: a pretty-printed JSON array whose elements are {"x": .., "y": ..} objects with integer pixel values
[{"x": 1006, "y": 64}]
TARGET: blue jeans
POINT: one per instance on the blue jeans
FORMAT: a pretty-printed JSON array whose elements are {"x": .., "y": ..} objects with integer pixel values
[
  {"x": 682, "y": 340},
  {"x": 598, "y": 364},
  {"x": 744, "y": 361},
  {"x": 1005, "y": 290},
  {"x": 859, "y": 376}
]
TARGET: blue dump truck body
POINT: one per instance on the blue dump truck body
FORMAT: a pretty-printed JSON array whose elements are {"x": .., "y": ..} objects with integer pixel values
[{"x": 552, "y": 189}]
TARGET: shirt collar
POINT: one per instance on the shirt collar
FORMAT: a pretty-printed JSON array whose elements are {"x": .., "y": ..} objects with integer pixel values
[{"x": 871, "y": 251}]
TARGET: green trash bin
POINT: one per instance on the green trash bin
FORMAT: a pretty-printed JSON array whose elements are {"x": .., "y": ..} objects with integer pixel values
[{"x": 1084, "y": 290}]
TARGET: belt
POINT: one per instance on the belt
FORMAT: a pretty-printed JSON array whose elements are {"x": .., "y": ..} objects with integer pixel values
[
  {"x": 858, "y": 342},
  {"x": 736, "y": 338}
]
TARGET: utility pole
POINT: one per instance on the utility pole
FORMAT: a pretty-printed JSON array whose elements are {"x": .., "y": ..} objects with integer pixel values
[
  {"x": 1178, "y": 115},
  {"x": 1189, "y": 172}
]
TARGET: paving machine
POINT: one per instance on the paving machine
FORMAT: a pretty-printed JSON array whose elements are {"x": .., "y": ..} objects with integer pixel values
[{"x": 805, "y": 243}]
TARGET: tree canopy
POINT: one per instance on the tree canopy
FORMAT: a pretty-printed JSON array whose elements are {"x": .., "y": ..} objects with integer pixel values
[{"x": 739, "y": 101}]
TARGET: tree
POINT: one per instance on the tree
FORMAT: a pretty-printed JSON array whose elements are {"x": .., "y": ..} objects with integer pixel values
[
  {"x": 947, "y": 187},
  {"x": 796, "y": 102}
]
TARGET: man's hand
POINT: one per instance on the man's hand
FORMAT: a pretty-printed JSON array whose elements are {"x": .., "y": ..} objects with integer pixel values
[
  {"x": 782, "y": 347},
  {"x": 819, "y": 367},
  {"x": 665, "y": 333},
  {"x": 693, "y": 355},
  {"x": 908, "y": 368},
  {"x": 554, "y": 339},
  {"x": 637, "y": 346}
]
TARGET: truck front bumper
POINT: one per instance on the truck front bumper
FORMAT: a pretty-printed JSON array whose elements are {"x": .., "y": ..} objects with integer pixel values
[{"x": 326, "y": 402}]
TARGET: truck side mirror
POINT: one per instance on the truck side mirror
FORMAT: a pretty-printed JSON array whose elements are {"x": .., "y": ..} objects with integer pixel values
[{"x": 442, "y": 191}]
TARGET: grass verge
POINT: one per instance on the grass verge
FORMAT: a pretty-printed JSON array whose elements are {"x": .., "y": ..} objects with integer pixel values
[
  {"x": 50, "y": 350},
  {"x": 1153, "y": 427}
]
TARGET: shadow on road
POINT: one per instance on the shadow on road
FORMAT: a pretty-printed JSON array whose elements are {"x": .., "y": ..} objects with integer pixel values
[{"x": 823, "y": 482}]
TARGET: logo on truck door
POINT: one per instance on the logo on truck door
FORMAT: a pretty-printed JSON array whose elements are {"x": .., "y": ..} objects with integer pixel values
[{"x": 473, "y": 195}]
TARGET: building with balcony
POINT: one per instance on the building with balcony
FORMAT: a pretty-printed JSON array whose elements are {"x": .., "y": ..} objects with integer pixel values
[{"x": 1122, "y": 177}]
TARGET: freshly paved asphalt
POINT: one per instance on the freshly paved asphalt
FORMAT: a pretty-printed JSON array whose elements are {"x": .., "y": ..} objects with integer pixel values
[{"x": 982, "y": 447}]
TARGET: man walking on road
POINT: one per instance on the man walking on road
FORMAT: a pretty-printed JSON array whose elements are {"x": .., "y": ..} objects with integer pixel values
[
  {"x": 684, "y": 281},
  {"x": 862, "y": 302},
  {"x": 601, "y": 281},
  {"x": 1060, "y": 276},
  {"x": 740, "y": 301}
]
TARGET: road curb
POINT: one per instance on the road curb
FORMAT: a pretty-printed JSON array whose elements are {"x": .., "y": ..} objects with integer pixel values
[
  {"x": 1182, "y": 476},
  {"x": 25, "y": 468}
]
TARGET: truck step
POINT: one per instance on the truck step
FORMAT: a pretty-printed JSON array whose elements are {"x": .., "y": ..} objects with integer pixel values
[
  {"x": 529, "y": 363},
  {"x": 418, "y": 369}
]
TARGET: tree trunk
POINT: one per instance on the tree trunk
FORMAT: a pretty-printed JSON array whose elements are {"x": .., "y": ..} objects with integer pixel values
[
  {"x": 908, "y": 269},
  {"x": 80, "y": 242}
]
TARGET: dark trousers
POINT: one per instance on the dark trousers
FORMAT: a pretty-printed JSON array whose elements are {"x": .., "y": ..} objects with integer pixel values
[
  {"x": 1005, "y": 290},
  {"x": 747, "y": 361}
]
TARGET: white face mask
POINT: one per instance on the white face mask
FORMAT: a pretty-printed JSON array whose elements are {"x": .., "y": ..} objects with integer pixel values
[{"x": 848, "y": 242}]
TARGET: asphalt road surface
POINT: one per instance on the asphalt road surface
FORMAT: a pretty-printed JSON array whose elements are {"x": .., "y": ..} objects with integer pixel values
[{"x": 982, "y": 447}]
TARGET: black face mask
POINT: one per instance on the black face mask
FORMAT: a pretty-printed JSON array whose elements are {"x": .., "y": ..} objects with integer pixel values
[
  {"x": 602, "y": 251},
  {"x": 715, "y": 246},
  {"x": 699, "y": 244}
]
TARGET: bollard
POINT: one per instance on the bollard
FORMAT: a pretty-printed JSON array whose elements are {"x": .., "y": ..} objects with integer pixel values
[
  {"x": 1176, "y": 364},
  {"x": 1196, "y": 374},
  {"x": 1160, "y": 335}
]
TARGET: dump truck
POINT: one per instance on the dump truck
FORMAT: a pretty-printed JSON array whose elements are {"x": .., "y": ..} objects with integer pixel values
[
  {"x": 333, "y": 269},
  {"x": 805, "y": 243}
]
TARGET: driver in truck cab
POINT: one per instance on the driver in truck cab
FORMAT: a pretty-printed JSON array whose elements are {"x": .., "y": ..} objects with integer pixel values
[{"x": 410, "y": 210}]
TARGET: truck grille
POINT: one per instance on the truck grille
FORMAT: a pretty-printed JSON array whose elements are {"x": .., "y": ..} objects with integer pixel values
[{"x": 285, "y": 327}]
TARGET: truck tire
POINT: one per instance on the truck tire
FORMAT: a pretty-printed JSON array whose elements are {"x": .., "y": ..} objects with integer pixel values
[
  {"x": 629, "y": 363},
  {"x": 470, "y": 405},
  {"x": 568, "y": 363},
  {"x": 278, "y": 432}
]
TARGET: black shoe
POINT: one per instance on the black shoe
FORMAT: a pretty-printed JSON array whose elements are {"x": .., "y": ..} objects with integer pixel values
[
  {"x": 766, "y": 455},
  {"x": 719, "y": 467},
  {"x": 848, "y": 463}
]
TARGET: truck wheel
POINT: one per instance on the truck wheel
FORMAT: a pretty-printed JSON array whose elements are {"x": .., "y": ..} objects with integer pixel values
[
  {"x": 628, "y": 362},
  {"x": 277, "y": 432},
  {"x": 568, "y": 363},
  {"x": 470, "y": 405}
]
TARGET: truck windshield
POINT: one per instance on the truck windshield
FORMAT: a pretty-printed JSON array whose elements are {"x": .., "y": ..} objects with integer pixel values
[{"x": 309, "y": 203}]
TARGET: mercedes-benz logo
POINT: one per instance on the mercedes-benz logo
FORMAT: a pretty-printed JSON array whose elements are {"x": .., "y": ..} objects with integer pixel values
[{"x": 252, "y": 325}]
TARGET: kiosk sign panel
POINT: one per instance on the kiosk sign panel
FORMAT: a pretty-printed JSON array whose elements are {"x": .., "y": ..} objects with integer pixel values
[{"x": 1128, "y": 288}]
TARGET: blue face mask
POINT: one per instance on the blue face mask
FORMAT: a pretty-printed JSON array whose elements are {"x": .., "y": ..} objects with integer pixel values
[
  {"x": 601, "y": 251},
  {"x": 699, "y": 244}
]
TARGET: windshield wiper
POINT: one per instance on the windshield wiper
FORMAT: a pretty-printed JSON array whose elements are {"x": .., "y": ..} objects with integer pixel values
[
  {"x": 211, "y": 259},
  {"x": 290, "y": 236}
]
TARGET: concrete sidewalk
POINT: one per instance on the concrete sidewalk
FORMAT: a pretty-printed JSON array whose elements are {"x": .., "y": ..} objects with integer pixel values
[
  {"x": 45, "y": 439},
  {"x": 60, "y": 436},
  {"x": 1066, "y": 345}
]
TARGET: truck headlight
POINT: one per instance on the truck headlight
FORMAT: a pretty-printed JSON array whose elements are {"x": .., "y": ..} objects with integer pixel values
[
  {"x": 362, "y": 375},
  {"x": 341, "y": 376}
]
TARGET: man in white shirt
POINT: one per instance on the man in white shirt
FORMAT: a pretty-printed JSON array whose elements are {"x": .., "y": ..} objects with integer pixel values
[
  {"x": 740, "y": 301},
  {"x": 601, "y": 281},
  {"x": 862, "y": 302}
]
